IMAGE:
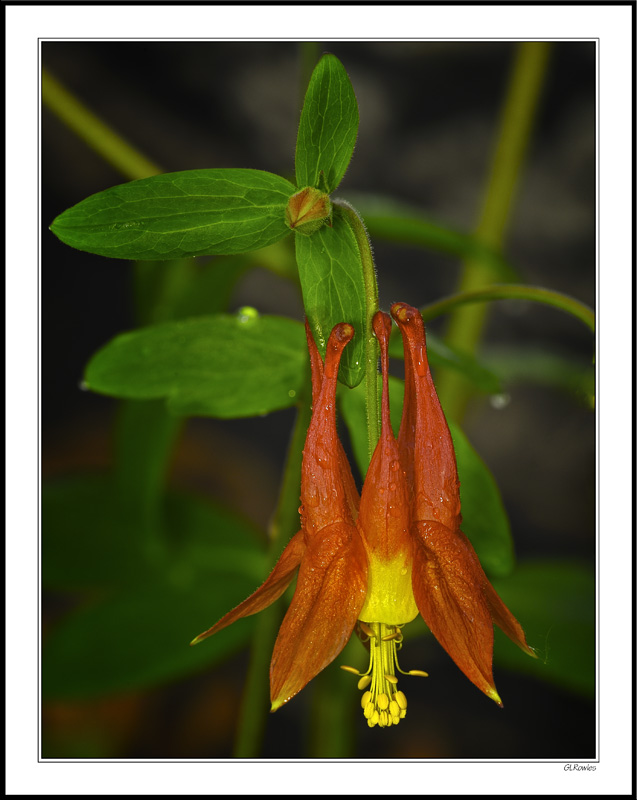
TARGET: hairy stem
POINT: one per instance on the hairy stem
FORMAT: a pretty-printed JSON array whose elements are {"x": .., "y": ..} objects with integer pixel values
[{"x": 371, "y": 307}]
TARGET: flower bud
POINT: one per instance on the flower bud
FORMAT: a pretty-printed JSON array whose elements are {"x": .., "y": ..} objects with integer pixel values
[{"x": 308, "y": 210}]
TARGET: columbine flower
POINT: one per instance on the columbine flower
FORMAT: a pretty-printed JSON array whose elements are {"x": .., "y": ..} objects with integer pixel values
[{"x": 372, "y": 564}]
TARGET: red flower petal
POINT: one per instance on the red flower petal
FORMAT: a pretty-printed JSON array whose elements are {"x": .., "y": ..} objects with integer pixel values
[
  {"x": 330, "y": 592},
  {"x": 273, "y": 587},
  {"x": 384, "y": 510}
]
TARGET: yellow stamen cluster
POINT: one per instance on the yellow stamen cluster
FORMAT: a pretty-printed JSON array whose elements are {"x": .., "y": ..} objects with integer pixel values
[{"x": 383, "y": 703}]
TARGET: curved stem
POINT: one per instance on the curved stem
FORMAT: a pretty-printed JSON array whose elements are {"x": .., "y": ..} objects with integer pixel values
[
  {"x": 506, "y": 291},
  {"x": 371, "y": 307},
  {"x": 98, "y": 136}
]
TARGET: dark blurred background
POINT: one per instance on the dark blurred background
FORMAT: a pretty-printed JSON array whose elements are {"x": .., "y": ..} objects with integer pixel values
[{"x": 428, "y": 120}]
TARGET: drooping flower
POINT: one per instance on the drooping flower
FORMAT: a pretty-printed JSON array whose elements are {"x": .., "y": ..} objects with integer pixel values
[{"x": 372, "y": 564}]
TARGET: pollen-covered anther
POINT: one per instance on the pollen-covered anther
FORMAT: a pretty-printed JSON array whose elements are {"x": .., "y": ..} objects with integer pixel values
[
  {"x": 367, "y": 629},
  {"x": 364, "y": 682}
]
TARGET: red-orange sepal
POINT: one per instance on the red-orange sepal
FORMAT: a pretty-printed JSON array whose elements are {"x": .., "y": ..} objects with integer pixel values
[
  {"x": 330, "y": 592},
  {"x": 447, "y": 581}
]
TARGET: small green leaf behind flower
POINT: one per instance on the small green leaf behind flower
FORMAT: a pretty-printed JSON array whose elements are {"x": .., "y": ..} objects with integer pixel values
[
  {"x": 555, "y": 601},
  {"x": 191, "y": 213},
  {"x": 224, "y": 365}
]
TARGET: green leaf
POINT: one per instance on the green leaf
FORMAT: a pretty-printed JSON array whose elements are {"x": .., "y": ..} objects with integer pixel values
[
  {"x": 554, "y": 602},
  {"x": 328, "y": 127},
  {"x": 224, "y": 365},
  {"x": 139, "y": 636},
  {"x": 333, "y": 286},
  {"x": 484, "y": 519},
  {"x": 197, "y": 212}
]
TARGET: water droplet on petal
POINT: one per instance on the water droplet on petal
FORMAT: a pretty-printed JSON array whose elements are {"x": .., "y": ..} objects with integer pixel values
[{"x": 421, "y": 362}]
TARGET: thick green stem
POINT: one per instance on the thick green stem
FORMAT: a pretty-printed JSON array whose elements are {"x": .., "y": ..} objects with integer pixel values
[
  {"x": 285, "y": 523},
  {"x": 371, "y": 307},
  {"x": 466, "y": 324},
  {"x": 100, "y": 137}
]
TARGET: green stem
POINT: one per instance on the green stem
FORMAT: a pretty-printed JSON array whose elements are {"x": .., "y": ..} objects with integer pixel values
[
  {"x": 371, "y": 307},
  {"x": 285, "y": 523},
  {"x": 100, "y": 137},
  {"x": 505, "y": 291},
  {"x": 466, "y": 324}
]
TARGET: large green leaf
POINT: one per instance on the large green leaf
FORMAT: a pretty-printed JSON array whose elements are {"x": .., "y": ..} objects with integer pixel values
[
  {"x": 197, "y": 212},
  {"x": 328, "y": 127},
  {"x": 138, "y": 635},
  {"x": 333, "y": 287},
  {"x": 484, "y": 519},
  {"x": 555, "y": 604},
  {"x": 223, "y": 365}
]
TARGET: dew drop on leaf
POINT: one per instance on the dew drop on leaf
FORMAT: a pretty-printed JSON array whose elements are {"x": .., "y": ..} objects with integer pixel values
[{"x": 247, "y": 314}]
